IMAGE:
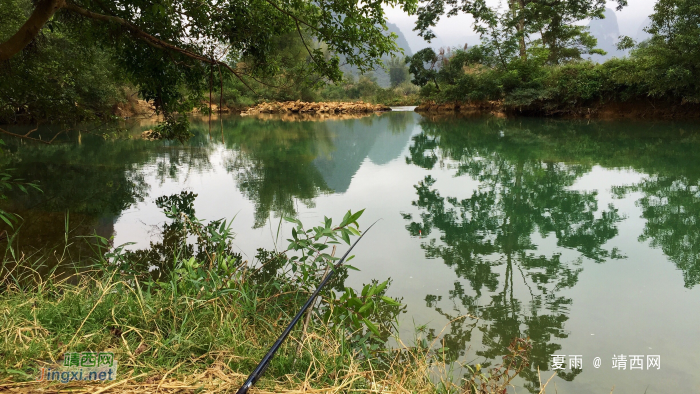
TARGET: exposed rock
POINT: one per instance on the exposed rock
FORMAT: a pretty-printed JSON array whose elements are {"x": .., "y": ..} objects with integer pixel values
[
  {"x": 311, "y": 116},
  {"x": 214, "y": 108},
  {"x": 301, "y": 107},
  {"x": 149, "y": 135},
  {"x": 133, "y": 108}
]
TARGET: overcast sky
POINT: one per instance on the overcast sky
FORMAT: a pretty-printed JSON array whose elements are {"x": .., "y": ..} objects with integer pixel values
[{"x": 457, "y": 31}]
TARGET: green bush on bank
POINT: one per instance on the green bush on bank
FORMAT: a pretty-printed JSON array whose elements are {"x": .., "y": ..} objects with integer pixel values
[
  {"x": 551, "y": 88},
  {"x": 663, "y": 68}
]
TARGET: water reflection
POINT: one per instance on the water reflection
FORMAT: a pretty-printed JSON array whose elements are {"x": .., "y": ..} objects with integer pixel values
[
  {"x": 671, "y": 207},
  {"x": 525, "y": 178},
  {"x": 276, "y": 164},
  {"x": 518, "y": 195},
  {"x": 508, "y": 206},
  {"x": 85, "y": 187}
]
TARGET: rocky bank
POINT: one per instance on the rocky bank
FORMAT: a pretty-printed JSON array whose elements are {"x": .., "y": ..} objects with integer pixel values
[{"x": 301, "y": 107}]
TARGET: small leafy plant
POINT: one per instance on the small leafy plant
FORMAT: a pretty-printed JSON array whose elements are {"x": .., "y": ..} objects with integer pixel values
[{"x": 209, "y": 268}]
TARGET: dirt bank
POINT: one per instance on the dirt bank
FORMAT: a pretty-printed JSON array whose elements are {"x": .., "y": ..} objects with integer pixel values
[
  {"x": 315, "y": 108},
  {"x": 631, "y": 109}
]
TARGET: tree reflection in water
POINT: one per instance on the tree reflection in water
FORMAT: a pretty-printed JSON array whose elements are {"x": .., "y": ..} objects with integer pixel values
[{"x": 487, "y": 239}]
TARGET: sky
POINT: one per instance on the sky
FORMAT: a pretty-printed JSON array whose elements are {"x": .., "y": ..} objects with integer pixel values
[{"x": 457, "y": 31}]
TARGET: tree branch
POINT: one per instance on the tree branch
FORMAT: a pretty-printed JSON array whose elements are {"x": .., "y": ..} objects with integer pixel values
[
  {"x": 152, "y": 40},
  {"x": 27, "y": 137},
  {"x": 45, "y": 9},
  {"x": 30, "y": 29}
]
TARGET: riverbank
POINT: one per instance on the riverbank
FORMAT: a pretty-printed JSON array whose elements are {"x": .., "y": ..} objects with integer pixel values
[
  {"x": 632, "y": 109},
  {"x": 199, "y": 321},
  {"x": 169, "y": 338},
  {"x": 302, "y": 107},
  {"x": 202, "y": 320}
]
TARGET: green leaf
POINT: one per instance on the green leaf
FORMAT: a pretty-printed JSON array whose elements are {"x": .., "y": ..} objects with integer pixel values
[
  {"x": 381, "y": 287},
  {"x": 366, "y": 307},
  {"x": 5, "y": 219},
  {"x": 346, "y": 236},
  {"x": 354, "y": 302},
  {"x": 371, "y": 327},
  {"x": 356, "y": 215},
  {"x": 365, "y": 290},
  {"x": 390, "y": 301},
  {"x": 292, "y": 220}
]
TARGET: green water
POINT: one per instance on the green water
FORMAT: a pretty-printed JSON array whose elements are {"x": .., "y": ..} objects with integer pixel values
[{"x": 583, "y": 236}]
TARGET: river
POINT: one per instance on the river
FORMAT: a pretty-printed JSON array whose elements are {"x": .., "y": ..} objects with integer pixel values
[{"x": 583, "y": 236}]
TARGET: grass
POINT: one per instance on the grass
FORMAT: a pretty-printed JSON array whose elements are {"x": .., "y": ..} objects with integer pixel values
[
  {"x": 205, "y": 320},
  {"x": 161, "y": 337}
]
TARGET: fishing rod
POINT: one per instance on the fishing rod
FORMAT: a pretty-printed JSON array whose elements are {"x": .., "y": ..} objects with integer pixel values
[{"x": 262, "y": 366}]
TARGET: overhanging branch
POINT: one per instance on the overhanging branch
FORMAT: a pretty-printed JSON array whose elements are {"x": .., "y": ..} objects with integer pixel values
[
  {"x": 152, "y": 40},
  {"x": 43, "y": 11}
]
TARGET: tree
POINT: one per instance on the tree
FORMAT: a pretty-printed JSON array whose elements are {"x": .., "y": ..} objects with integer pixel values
[
  {"x": 57, "y": 78},
  {"x": 553, "y": 21},
  {"x": 170, "y": 49},
  {"x": 670, "y": 60},
  {"x": 398, "y": 71},
  {"x": 421, "y": 74}
]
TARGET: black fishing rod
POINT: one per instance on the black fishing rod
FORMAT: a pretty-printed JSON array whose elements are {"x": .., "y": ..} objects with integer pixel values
[{"x": 262, "y": 366}]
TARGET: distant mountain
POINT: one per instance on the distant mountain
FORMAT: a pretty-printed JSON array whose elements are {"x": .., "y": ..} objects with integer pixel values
[
  {"x": 641, "y": 34},
  {"x": 607, "y": 32},
  {"x": 382, "y": 76},
  {"x": 401, "y": 41}
]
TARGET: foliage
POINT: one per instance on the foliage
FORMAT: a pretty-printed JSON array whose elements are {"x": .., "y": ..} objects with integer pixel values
[
  {"x": 173, "y": 128},
  {"x": 549, "y": 76},
  {"x": 506, "y": 30},
  {"x": 169, "y": 50},
  {"x": 212, "y": 239},
  {"x": 366, "y": 89},
  {"x": 398, "y": 72},
  {"x": 370, "y": 317},
  {"x": 532, "y": 85},
  {"x": 178, "y": 299},
  {"x": 421, "y": 74},
  {"x": 60, "y": 77},
  {"x": 667, "y": 65}
]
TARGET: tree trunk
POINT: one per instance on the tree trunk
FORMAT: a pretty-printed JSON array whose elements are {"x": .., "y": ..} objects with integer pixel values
[
  {"x": 42, "y": 13},
  {"x": 523, "y": 49},
  {"x": 518, "y": 9}
]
